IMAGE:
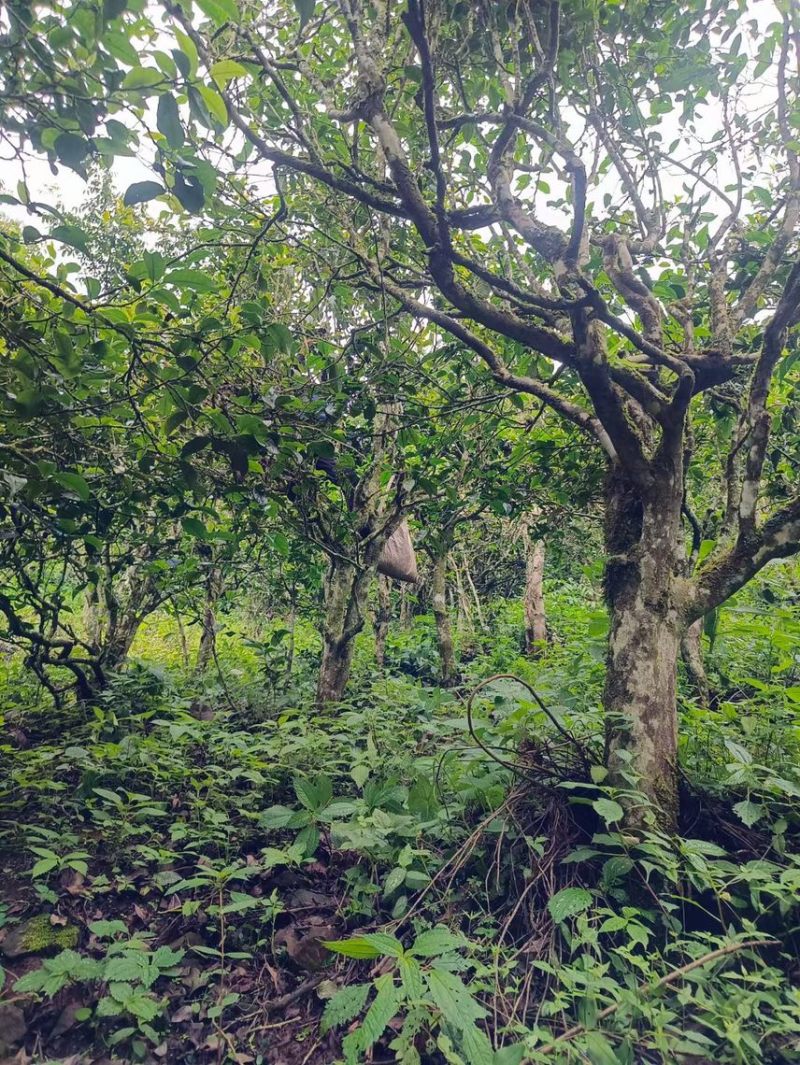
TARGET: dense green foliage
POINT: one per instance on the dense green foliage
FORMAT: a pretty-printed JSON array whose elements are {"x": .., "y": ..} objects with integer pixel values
[
  {"x": 203, "y": 855},
  {"x": 399, "y": 628}
]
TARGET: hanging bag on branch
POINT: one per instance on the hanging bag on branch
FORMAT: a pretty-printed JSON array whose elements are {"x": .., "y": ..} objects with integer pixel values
[{"x": 398, "y": 559}]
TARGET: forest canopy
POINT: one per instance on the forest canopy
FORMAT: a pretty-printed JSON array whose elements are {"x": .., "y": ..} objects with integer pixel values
[{"x": 399, "y": 511}]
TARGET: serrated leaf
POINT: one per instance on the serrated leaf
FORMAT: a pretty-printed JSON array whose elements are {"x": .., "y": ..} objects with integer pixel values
[
  {"x": 44, "y": 865},
  {"x": 344, "y": 1006},
  {"x": 450, "y": 995},
  {"x": 383, "y": 1009},
  {"x": 435, "y": 941},
  {"x": 599, "y": 1049},
  {"x": 388, "y": 945},
  {"x": 474, "y": 1044},
  {"x": 749, "y": 812},
  {"x": 568, "y": 902},
  {"x": 411, "y": 978},
  {"x": 126, "y": 968}
]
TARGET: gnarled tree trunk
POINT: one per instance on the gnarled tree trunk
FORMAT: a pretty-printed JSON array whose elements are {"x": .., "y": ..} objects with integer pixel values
[
  {"x": 444, "y": 632},
  {"x": 645, "y": 554},
  {"x": 535, "y": 617},
  {"x": 346, "y": 587}
]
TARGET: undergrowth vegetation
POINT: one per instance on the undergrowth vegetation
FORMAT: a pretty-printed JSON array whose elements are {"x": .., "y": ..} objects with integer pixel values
[{"x": 417, "y": 874}]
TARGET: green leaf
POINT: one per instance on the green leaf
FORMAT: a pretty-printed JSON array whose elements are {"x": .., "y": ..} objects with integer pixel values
[
  {"x": 71, "y": 149},
  {"x": 394, "y": 880},
  {"x": 120, "y": 47},
  {"x": 344, "y": 1006},
  {"x": 194, "y": 527},
  {"x": 168, "y": 120},
  {"x": 142, "y": 78},
  {"x": 142, "y": 191},
  {"x": 187, "y": 47},
  {"x": 383, "y": 1009},
  {"x": 305, "y": 9},
  {"x": 358, "y": 947},
  {"x": 113, "y": 9},
  {"x": 457, "y": 1005},
  {"x": 388, "y": 945},
  {"x": 749, "y": 812},
  {"x": 436, "y": 941},
  {"x": 189, "y": 192},
  {"x": 219, "y": 11},
  {"x": 193, "y": 279},
  {"x": 75, "y": 483},
  {"x": 599, "y": 1049},
  {"x": 609, "y": 810},
  {"x": 72, "y": 235},
  {"x": 411, "y": 978},
  {"x": 215, "y": 104},
  {"x": 225, "y": 70},
  {"x": 568, "y": 902},
  {"x": 44, "y": 865},
  {"x": 474, "y": 1044}
]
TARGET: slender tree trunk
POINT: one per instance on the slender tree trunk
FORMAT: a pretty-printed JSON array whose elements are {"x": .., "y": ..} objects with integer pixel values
[
  {"x": 208, "y": 633},
  {"x": 463, "y": 604},
  {"x": 444, "y": 632},
  {"x": 473, "y": 590},
  {"x": 291, "y": 625},
  {"x": 692, "y": 654},
  {"x": 535, "y": 618},
  {"x": 346, "y": 589},
  {"x": 181, "y": 634},
  {"x": 406, "y": 608},
  {"x": 382, "y": 617},
  {"x": 644, "y": 546}
]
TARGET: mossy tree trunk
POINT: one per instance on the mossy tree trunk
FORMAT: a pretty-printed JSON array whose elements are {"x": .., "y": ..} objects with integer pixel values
[
  {"x": 346, "y": 588},
  {"x": 644, "y": 570}
]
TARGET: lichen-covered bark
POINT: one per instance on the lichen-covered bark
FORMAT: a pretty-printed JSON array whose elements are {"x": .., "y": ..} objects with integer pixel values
[
  {"x": 346, "y": 587},
  {"x": 444, "y": 632},
  {"x": 645, "y": 548},
  {"x": 535, "y": 618}
]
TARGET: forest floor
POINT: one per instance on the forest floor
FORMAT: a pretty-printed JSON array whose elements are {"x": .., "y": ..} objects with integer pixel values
[{"x": 174, "y": 860}]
